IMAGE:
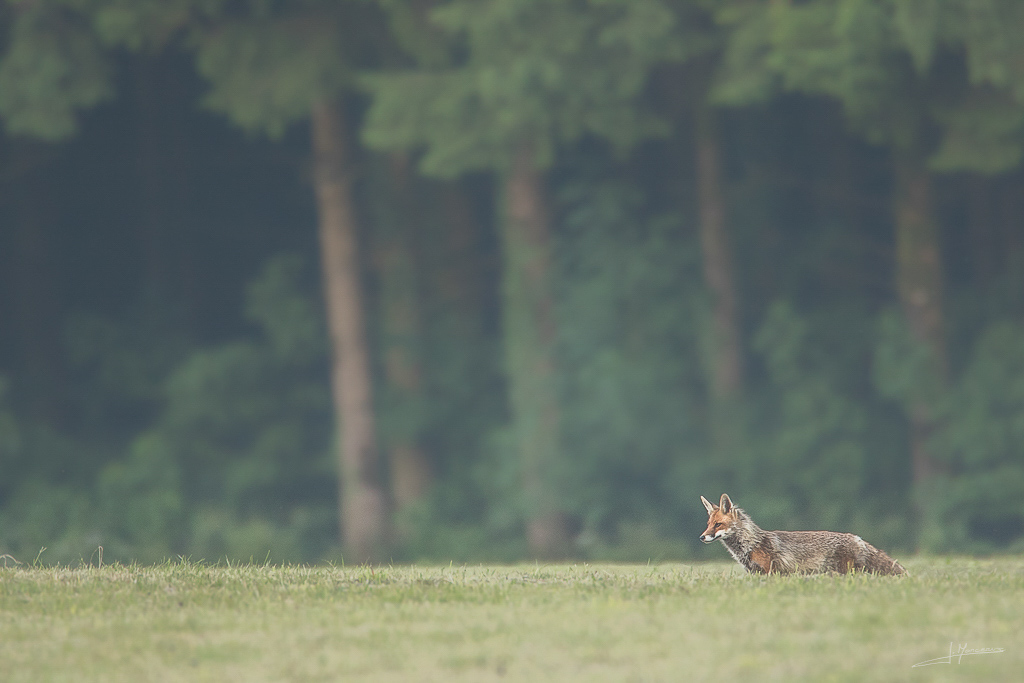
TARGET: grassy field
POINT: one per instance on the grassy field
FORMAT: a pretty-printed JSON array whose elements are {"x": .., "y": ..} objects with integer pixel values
[{"x": 195, "y": 622}]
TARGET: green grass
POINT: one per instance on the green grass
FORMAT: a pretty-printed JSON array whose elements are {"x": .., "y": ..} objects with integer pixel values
[{"x": 195, "y": 622}]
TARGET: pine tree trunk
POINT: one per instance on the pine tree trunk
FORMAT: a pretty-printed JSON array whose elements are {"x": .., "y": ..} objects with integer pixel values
[
  {"x": 461, "y": 279},
  {"x": 529, "y": 317},
  {"x": 919, "y": 281},
  {"x": 394, "y": 234},
  {"x": 363, "y": 507},
  {"x": 725, "y": 348}
]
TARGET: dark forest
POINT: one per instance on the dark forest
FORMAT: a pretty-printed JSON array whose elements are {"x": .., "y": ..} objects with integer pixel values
[{"x": 466, "y": 280}]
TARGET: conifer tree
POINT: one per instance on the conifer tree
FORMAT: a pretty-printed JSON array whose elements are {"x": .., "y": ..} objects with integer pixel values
[
  {"x": 525, "y": 78},
  {"x": 893, "y": 64},
  {"x": 270, "y": 65}
]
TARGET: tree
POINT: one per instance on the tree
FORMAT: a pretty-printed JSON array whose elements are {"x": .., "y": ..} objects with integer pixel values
[
  {"x": 932, "y": 82},
  {"x": 271, "y": 65},
  {"x": 529, "y": 77},
  {"x": 726, "y": 376},
  {"x": 395, "y": 201},
  {"x": 363, "y": 503},
  {"x": 884, "y": 60},
  {"x": 689, "y": 93}
]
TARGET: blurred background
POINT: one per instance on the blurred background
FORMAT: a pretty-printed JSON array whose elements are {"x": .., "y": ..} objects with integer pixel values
[{"x": 487, "y": 280}]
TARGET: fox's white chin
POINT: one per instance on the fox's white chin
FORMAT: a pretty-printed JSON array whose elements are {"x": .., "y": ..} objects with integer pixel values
[{"x": 710, "y": 539}]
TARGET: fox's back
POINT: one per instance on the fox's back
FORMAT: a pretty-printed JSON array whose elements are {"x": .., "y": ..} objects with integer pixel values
[
  {"x": 827, "y": 551},
  {"x": 817, "y": 551}
]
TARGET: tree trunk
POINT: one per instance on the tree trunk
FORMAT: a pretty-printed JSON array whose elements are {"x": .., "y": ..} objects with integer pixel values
[
  {"x": 460, "y": 281},
  {"x": 919, "y": 284},
  {"x": 529, "y": 317},
  {"x": 725, "y": 348},
  {"x": 363, "y": 507},
  {"x": 394, "y": 235}
]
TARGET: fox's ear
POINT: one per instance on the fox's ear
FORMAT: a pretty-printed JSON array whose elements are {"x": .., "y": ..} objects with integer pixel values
[
  {"x": 725, "y": 503},
  {"x": 707, "y": 504}
]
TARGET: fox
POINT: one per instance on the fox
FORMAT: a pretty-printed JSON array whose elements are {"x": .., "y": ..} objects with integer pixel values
[{"x": 791, "y": 552}]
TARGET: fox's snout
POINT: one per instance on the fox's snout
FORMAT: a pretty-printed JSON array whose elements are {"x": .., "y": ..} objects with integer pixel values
[{"x": 708, "y": 537}]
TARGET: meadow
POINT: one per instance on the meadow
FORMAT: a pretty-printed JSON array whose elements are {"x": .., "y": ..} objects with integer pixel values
[{"x": 186, "y": 621}]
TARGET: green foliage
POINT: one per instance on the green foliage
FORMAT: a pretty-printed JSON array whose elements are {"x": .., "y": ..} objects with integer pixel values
[
  {"x": 288, "y": 317},
  {"x": 632, "y": 412},
  {"x": 806, "y": 462},
  {"x": 994, "y": 46},
  {"x": 893, "y": 66},
  {"x": 904, "y": 367},
  {"x": 973, "y": 503},
  {"x": 236, "y": 463},
  {"x": 985, "y": 407},
  {"x": 983, "y": 133},
  {"x": 267, "y": 62},
  {"x": 267, "y": 72},
  {"x": 976, "y": 503},
  {"x": 57, "y": 518},
  {"x": 142, "y": 509},
  {"x": 217, "y": 533},
  {"x": 423, "y": 41},
  {"x": 148, "y": 24},
  {"x": 846, "y": 49},
  {"x": 746, "y": 74},
  {"x": 540, "y": 73},
  {"x": 51, "y": 67},
  {"x": 248, "y": 421},
  {"x": 119, "y": 364},
  {"x": 438, "y": 528}
]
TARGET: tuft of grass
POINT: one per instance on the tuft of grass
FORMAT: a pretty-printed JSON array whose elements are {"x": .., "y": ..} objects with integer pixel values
[{"x": 187, "y": 621}]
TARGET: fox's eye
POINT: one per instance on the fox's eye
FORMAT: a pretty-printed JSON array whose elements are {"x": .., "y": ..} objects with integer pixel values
[{"x": 718, "y": 524}]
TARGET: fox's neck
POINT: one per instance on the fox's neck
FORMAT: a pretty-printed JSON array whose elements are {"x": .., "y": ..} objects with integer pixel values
[{"x": 745, "y": 537}]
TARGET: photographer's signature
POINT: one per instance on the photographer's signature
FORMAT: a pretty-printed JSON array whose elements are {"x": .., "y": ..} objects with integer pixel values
[{"x": 958, "y": 654}]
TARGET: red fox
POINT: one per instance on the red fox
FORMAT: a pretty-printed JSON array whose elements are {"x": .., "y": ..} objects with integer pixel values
[{"x": 788, "y": 552}]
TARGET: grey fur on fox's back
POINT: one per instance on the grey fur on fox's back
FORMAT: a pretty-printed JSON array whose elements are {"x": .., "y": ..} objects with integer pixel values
[{"x": 788, "y": 552}]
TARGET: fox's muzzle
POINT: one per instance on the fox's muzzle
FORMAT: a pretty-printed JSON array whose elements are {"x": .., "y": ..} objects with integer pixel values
[{"x": 708, "y": 537}]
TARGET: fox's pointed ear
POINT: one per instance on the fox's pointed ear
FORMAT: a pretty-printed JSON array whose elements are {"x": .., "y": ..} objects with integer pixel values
[
  {"x": 725, "y": 503},
  {"x": 707, "y": 504}
]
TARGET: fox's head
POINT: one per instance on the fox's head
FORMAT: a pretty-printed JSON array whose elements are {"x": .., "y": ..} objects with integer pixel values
[{"x": 721, "y": 519}]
